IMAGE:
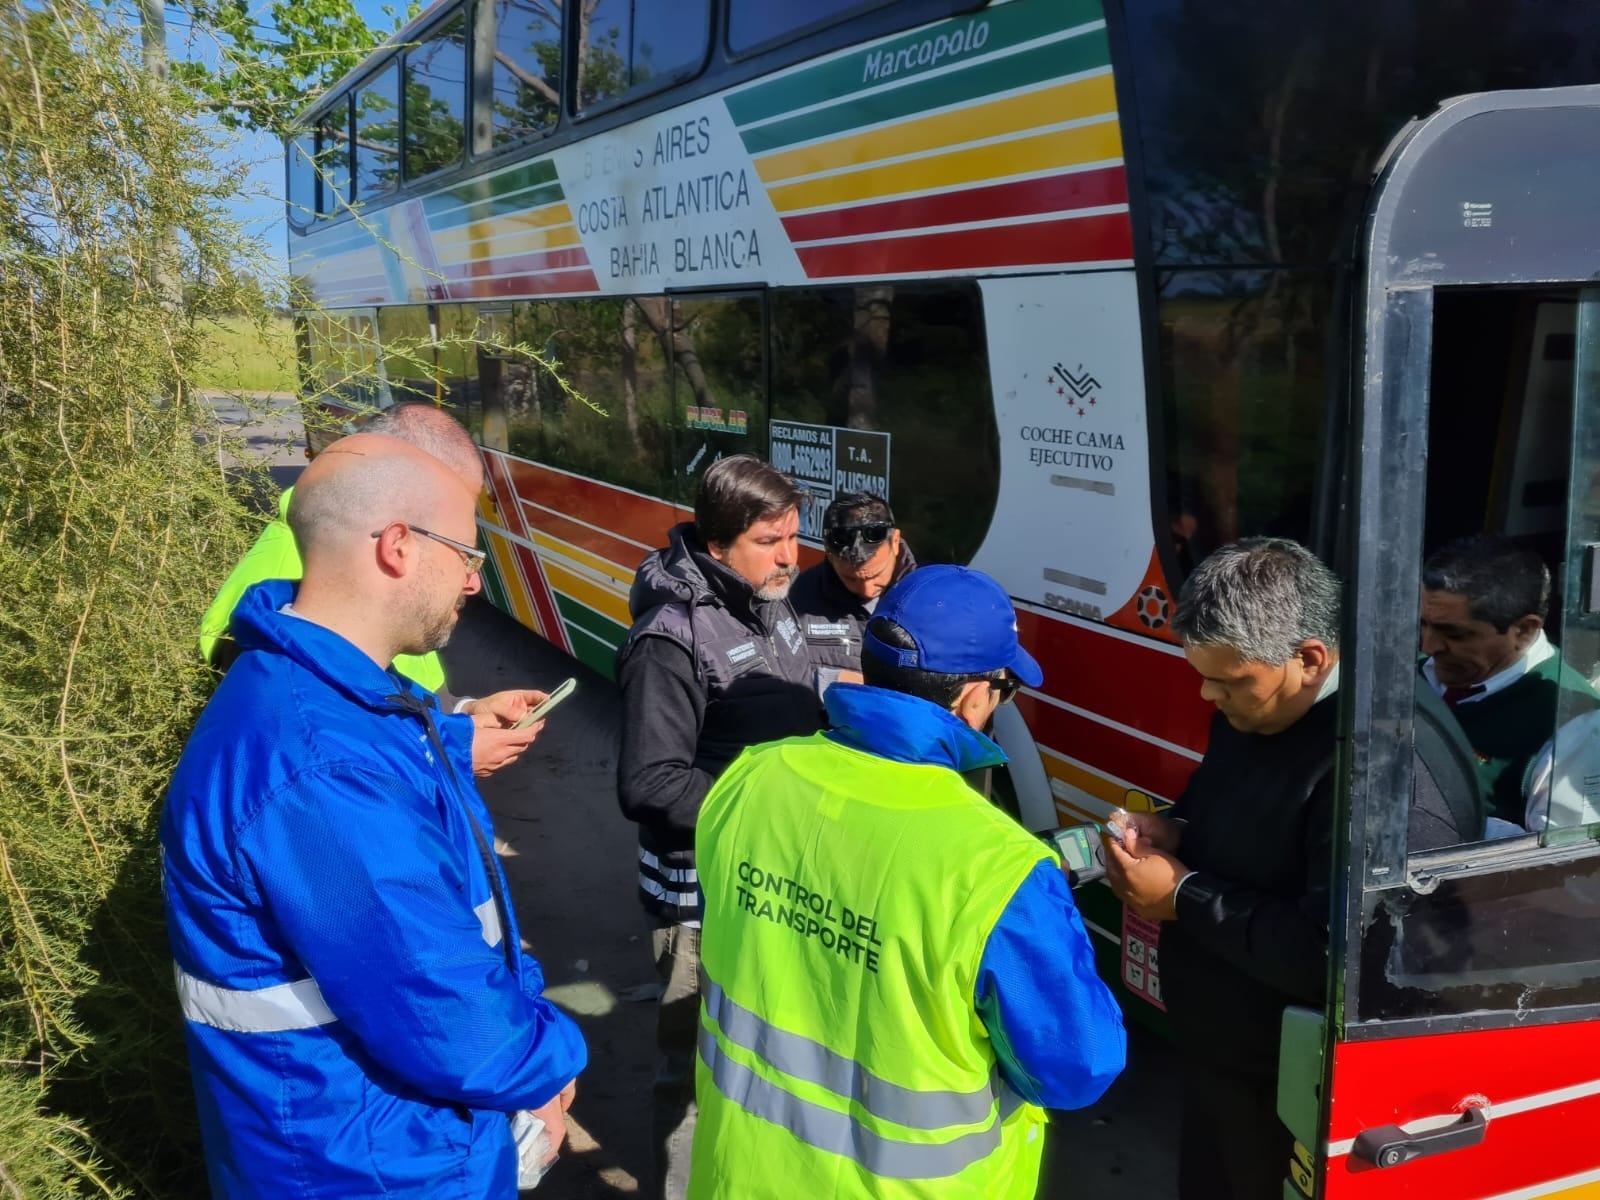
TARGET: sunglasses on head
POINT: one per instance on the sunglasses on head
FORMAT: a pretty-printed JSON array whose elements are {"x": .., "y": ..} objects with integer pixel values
[{"x": 843, "y": 538}]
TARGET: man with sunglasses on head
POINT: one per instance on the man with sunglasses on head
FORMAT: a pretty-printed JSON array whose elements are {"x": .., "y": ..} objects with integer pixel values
[
  {"x": 360, "y": 1017},
  {"x": 867, "y": 555},
  {"x": 897, "y": 979},
  {"x": 275, "y": 555}
]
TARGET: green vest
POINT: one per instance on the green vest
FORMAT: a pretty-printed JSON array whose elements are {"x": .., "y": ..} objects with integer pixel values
[
  {"x": 275, "y": 556},
  {"x": 848, "y": 900},
  {"x": 1510, "y": 726}
]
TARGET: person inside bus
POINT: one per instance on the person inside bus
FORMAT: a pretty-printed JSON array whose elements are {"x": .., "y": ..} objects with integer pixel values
[
  {"x": 1487, "y": 656},
  {"x": 866, "y": 555},
  {"x": 275, "y": 555},
  {"x": 1240, "y": 870}
]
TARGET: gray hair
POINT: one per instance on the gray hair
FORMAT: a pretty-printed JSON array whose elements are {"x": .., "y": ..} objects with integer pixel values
[
  {"x": 1262, "y": 597},
  {"x": 434, "y": 431}
]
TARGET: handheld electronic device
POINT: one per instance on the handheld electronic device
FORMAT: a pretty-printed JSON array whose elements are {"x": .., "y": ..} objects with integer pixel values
[
  {"x": 544, "y": 707},
  {"x": 1081, "y": 852}
]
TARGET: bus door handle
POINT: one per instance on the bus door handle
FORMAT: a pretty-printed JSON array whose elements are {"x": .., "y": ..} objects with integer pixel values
[{"x": 1391, "y": 1146}]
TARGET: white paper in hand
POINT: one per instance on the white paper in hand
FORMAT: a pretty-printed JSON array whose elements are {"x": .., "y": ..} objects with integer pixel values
[{"x": 533, "y": 1148}]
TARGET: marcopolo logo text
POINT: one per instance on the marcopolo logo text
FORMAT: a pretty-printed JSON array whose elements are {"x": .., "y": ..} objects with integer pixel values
[{"x": 927, "y": 53}]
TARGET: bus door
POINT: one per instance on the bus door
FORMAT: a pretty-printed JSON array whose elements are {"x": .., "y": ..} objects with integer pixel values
[{"x": 1461, "y": 1057}]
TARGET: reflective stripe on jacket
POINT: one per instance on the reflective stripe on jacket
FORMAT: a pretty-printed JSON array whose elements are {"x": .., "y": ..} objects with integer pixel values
[
  {"x": 848, "y": 899},
  {"x": 360, "y": 1019}
]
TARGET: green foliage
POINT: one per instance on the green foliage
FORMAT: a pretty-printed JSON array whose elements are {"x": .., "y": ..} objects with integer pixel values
[
  {"x": 268, "y": 73},
  {"x": 245, "y": 355},
  {"x": 116, "y": 525}
]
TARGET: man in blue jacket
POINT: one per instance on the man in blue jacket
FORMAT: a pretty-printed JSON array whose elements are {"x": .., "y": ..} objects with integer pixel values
[{"x": 360, "y": 1018}]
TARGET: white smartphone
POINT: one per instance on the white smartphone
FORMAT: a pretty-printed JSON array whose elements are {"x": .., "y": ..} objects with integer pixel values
[{"x": 545, "y": 707}]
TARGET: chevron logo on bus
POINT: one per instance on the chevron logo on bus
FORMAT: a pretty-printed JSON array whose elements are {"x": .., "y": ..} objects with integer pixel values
[{"x": 1080, "y": 383}]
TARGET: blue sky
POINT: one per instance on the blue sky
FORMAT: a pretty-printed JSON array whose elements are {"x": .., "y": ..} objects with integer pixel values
[{"x": 260, "y": 207}]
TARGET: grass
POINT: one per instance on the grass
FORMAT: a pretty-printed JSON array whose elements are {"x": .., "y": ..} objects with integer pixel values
[{"x": 244, "y": 357}]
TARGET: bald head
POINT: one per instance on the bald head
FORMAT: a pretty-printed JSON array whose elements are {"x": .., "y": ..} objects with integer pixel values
[
  {"x": 366, "y": 481},
  {"x": 434, "y": 431}
]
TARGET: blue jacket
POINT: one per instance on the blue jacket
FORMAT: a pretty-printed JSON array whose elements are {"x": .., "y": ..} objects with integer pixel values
[
  {"x": 1056, "y": 1028},
  {"x": 359, "y": 1015}
]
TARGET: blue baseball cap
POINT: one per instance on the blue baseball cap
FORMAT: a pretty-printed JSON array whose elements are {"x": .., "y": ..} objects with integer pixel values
[{"x": 962, "y": 622}]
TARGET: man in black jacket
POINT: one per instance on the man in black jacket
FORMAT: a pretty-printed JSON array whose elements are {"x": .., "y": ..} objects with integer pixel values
[
  {"x": 1241, "y": 869},
  {"x": 715, "y": 662},
  {"x": 834, "y": 599}
]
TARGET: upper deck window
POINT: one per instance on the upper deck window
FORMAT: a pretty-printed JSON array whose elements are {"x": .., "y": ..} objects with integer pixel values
[
  {"x": 527, "y": 70},
  {"x": 378, "y": 134},
  {"x": 302, "y": 179},
  {"x": 436, "y": 100},
  {"x": 333, "y": 159},
  {"x": 627, "y": 47},
  {"x": 757, "y": 22}
]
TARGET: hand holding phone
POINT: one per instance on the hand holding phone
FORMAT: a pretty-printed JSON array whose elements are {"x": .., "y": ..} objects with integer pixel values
[{"x": 548, "y": 704}]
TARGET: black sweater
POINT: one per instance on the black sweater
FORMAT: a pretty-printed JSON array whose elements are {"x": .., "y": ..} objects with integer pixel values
[{"x": 1252, "y": 928}]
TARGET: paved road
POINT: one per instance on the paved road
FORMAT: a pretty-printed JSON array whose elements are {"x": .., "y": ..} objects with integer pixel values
[{"x": 570, "y": 857}]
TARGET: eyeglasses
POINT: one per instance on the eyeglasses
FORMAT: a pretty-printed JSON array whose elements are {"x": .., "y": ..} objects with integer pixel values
[
  {"x": 471, "y": 556},
  {"x": 842, "y": 539},
  {"x": 1008, "y": 687}
]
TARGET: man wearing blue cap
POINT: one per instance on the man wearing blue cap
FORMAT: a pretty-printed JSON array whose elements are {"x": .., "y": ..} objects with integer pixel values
[{"x": 897, "y": 982}]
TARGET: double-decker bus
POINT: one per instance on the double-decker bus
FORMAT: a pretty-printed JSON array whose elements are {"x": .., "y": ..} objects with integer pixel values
[{"x": 1086, "y": 289}]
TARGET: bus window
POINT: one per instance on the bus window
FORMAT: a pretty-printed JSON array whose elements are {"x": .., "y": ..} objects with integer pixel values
[
  {"x": 527, "y": 70},
  {"x": 636, "y": 48},
  {"x": 608, "y": 352},
  {"x": 458, "y": 365},
  {"x": 333, "y": 159},
  {"x": 719, "y": 376},
  {"x": 302, "y": 179},
  {"x": 1244, "y": 367},
  {"x": 378, "y": 134},
  {"x": 436, "y": 100},
  {"x": 908, "y": 361},
  {"x": 408, "y": 352},
  {"x": 754, "y": 23}
]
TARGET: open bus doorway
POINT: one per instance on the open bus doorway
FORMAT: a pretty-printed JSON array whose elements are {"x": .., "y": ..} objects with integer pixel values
[{"x": 1500, "y": 421}]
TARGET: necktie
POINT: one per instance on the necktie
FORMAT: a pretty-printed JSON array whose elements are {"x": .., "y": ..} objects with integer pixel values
[{"x": 1455, "y": 694}]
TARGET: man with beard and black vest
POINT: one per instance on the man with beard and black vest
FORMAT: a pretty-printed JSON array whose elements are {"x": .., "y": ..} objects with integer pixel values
[
  {"x": 835, "y": 599},
  {"x": 1240, "y": 870},
  {"x": 715, "y": 662}
]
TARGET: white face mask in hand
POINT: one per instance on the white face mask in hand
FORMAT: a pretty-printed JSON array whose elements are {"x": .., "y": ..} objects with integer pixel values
[{"x": 533, "y": 1149}]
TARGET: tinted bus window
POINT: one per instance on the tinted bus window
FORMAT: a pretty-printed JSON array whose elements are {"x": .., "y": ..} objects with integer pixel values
[
  {"x": 1258, "y": 137},
  {"x": 408, "y": 352},
  {"x": 333, "y": 160},
  {"x": 909, "y": 361},
  {"x": 527, "y": 69},
  {"x": 1243, "y": 355},
  {"x": 753, "y": 22},
  {"x": 378, "y": 135},
  {"x": 614, "y": 353},
  {"x": 302, "y": 179},
  {"x": 436, "y": 101},
  {"x": 631, "y": 47}
]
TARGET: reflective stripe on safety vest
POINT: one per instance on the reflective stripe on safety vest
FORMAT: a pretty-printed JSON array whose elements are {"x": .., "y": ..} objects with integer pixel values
[
  {"x": 840, "y": 1132},
  {"x": 801, "y": 1058},
  {"x": 276, "y": 1009}
]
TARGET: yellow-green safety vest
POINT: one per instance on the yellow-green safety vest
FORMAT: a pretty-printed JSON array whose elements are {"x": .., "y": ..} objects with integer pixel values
[{"x": 848, "y": 900}]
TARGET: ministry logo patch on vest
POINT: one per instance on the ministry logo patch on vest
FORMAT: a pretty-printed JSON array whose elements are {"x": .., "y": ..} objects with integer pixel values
[
  {"x": 828, "y": 629},
  {"x": 790, "y": 632}
]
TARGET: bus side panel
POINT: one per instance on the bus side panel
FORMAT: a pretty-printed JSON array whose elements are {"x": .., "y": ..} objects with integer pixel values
[{"x": 1539, "y": 1085}]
